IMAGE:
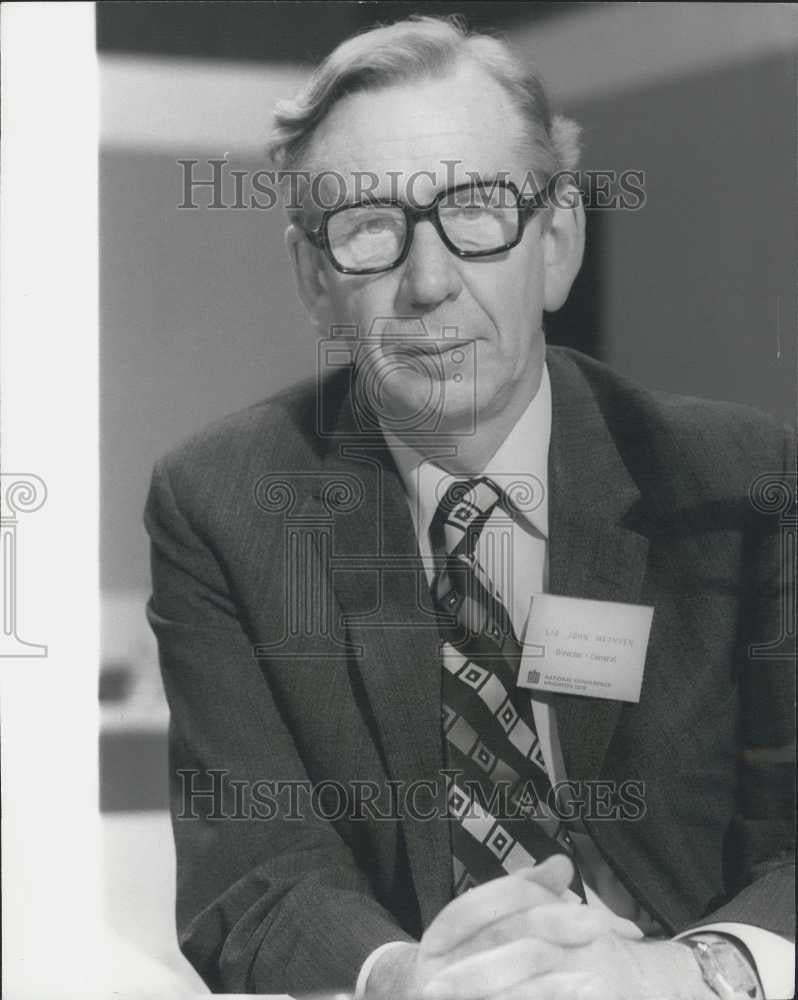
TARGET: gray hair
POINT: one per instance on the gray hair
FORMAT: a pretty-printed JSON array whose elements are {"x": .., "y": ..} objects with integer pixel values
[{"x": 419, "y": 48}]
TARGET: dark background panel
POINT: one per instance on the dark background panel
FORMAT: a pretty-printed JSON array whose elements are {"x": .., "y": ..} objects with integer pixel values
[{"x": 280, "y": 32}]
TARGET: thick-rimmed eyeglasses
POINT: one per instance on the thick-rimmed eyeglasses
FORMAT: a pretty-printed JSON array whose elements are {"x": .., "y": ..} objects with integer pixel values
[{"x": 472, "y": 220}]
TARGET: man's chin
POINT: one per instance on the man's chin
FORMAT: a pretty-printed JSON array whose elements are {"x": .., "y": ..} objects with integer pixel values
[{"x": 435, "y": 407}]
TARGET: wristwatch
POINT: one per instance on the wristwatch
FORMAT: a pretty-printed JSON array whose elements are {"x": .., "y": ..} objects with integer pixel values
[{"x": 724, "y": 967}]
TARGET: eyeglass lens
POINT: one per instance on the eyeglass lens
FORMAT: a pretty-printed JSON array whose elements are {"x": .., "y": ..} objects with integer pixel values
[{"x": 474, "y": 221}]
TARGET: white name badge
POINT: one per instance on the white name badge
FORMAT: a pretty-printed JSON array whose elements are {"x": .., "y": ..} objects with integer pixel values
[{"x": 592, "y": 648}]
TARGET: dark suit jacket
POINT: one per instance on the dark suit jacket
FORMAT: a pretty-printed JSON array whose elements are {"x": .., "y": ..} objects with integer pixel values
[{"x": 254, "y": 549}]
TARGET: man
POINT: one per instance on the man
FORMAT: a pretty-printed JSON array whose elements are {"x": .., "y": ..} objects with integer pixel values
[{"x": 342, "y": 581}]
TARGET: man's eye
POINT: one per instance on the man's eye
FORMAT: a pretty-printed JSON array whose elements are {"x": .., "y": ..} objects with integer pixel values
[
  {"x": 375, "y": 226},
  {"x": 470, "y": 213}
]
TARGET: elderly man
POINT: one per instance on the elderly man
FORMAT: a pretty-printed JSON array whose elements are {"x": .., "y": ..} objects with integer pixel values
[{"x": 358, "y": 586}]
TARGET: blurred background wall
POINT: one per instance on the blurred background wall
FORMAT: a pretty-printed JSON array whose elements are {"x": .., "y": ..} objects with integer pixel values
[{"x": 694, "y": 293}]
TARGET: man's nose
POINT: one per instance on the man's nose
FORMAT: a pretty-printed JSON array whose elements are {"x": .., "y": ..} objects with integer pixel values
[{"x": 430, "y": 272}]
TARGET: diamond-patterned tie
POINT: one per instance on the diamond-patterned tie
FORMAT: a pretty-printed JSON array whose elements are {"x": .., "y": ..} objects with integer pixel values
[{"x": 500, "y": 796}]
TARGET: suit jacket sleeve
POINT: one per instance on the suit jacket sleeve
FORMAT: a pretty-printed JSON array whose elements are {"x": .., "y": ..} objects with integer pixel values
[
  {"x": 759, "y": 856},
  {"x": 266, "y": 903}
]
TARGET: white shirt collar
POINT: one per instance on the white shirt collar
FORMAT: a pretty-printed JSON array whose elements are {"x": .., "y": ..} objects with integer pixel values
[{"x": 520, "y": 466}]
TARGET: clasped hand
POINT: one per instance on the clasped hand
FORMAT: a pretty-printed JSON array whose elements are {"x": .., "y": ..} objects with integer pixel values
[{"x": 524, "y": 937}]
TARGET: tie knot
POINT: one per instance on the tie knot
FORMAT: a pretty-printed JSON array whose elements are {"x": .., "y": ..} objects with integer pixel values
[{"x": 462, "y": 513}]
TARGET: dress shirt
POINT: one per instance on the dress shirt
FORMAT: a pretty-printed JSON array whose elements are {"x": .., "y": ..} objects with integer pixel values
[{"x": 518, "y": 571}]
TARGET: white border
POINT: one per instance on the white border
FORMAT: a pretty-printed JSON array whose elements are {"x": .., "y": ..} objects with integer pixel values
[{"x": 48, "y": 324}]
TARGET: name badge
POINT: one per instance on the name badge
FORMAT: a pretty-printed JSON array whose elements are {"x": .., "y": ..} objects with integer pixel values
[{"x": 596, "y": 649}]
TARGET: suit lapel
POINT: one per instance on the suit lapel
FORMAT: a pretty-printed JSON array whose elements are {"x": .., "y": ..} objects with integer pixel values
[
  {"x": 379, "y": 583},
  {"x": 594, "y": 551}
]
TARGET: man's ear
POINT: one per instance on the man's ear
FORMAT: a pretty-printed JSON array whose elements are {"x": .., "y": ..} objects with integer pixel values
[
  {"x": 309, "y": 275},
  {"x": 563, "y": 247}
]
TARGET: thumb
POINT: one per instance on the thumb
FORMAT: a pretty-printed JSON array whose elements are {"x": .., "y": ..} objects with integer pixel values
[{"x": 554, "y": 874}]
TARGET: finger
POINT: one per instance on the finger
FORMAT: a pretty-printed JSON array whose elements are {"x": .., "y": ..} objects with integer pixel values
[
  {"x": 626, "y": 929},
  {"x": 555, "y": 873},
  {"x": 560, "y": 986},
  {"x": 579, "y": 925},
  {"x": 475, "y": 909},
  {"x": 489, "y": 972},
  {"x": 559, "y": 923}
]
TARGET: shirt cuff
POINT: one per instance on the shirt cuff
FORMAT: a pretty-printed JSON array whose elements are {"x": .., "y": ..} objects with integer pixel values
[
  {"x": 773, "y": 955},
  {"x": 368, "y": 965}
]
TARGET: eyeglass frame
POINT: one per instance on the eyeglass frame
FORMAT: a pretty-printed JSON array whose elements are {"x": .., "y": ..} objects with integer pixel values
[{"x": 526, "y": 206}]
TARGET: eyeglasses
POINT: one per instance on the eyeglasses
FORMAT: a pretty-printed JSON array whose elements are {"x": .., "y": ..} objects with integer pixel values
[{"x": 472, "y": 220}]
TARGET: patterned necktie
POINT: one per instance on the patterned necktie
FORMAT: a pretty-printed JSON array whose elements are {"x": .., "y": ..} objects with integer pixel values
[{"x": 499, "y": 794}]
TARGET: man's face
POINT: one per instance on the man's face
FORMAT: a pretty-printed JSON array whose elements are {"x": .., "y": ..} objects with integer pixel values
[{"x": 495, "y": 304}]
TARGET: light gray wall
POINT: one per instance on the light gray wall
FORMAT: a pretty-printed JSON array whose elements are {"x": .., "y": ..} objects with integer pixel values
[{"x": 199, "y": 318}]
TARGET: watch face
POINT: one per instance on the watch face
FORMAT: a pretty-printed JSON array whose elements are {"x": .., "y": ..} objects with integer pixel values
[{"x": 726, "y": 971}]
